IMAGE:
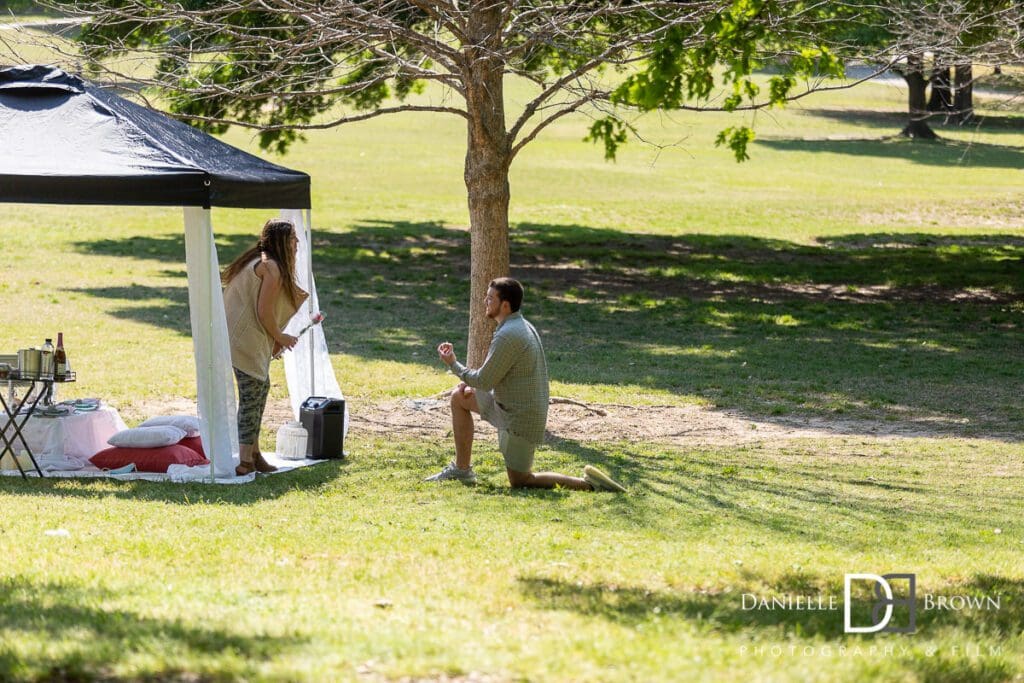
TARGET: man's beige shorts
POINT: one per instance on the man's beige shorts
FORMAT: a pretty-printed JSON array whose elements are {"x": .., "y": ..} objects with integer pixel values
[{"x": 518, "y": 452}]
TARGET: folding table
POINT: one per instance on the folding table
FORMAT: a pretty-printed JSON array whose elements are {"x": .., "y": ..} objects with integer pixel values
[{"x": 16, "y": 414}]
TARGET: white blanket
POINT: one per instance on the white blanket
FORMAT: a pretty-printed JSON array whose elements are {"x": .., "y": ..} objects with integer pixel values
[
  {"x": 72, "y": 438},
  {"x": 175, "y": 473}
]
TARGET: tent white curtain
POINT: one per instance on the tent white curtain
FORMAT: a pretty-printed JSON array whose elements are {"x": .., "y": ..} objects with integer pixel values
[
  {"x": 215, "y": 380},
  {"x": 308, "y": 366}
]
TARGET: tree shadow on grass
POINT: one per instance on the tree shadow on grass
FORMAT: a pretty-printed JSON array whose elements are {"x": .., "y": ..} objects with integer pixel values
[
  {"x": 729, "y": 612},
  {"x": 1008, "y": 243},
  {"x": 896, "y": 120},
  {"x": 862, "y": 502},
  {"x": 942, "y": 152},
  {"x": 168, "y": 308},
  {"x": 792, "y": 494},
  {"x": 849, "y": 327},
  {"x": 83, "y": 640},
  {"x": 961, "y": 669}
]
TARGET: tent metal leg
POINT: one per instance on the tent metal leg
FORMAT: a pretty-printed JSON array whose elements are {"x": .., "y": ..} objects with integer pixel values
[{"x": 309, "y": 279}]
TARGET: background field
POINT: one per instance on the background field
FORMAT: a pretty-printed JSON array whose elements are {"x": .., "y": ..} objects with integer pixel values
[{"x": 838, "y": 276}]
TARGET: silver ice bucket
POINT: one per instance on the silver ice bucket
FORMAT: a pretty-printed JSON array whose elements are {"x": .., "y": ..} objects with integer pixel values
[{"x": 30, "y": 362}]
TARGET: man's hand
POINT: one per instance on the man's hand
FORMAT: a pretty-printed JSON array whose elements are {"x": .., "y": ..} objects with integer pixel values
[
  {"x": 446, "y": 352},
  {"x": 466, "y": 390}
]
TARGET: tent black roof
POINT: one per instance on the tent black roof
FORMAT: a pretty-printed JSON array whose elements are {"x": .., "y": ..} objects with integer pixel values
[{"x": 66, "y": 141}]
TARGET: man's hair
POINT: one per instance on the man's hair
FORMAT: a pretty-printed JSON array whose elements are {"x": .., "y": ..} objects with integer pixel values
[{"x": 508, "y": 290}]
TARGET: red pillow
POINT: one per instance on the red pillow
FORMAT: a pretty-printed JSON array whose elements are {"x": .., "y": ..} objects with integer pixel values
[
  {"x": 147, "y": 459},
  {"x": 195, "y": 443}
]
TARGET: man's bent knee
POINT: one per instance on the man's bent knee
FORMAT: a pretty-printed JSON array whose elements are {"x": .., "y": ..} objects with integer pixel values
[{"x": 460, "y": 401}]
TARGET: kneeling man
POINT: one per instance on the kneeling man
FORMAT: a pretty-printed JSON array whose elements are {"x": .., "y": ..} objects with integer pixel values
[{"x": 510, "y": 390}]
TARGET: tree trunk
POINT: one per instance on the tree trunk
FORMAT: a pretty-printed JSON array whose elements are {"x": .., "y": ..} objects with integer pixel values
[
  {"x": 917, "y": 101},
  {"x": 941, "y": 99},
  {"x": 486, "y": 171},
  {"x": 963, "y": 98}
]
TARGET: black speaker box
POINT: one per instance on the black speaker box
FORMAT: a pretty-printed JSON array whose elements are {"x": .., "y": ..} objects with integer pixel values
[{"x": 324, "y": 420}]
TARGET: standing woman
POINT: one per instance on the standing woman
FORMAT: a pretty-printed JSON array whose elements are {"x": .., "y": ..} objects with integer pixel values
[{"x": 260, "y": 297}]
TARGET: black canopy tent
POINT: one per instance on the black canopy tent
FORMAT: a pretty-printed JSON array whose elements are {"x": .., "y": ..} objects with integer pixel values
[{"x": 66, "y": 141}]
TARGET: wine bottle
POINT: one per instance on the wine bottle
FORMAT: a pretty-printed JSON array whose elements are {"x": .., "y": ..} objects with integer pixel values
[{"x": 60, "y": 359}]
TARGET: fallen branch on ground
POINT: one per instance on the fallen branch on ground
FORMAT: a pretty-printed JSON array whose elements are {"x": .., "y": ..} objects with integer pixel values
[
  {"x": 573, "y": 402},
  {"x": 554, "y": 399}
]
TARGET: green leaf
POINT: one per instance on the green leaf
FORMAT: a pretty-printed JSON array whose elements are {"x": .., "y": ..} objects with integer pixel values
[
  {"x": 612, "y": 131},
  {"x": 736, "y": 138}
]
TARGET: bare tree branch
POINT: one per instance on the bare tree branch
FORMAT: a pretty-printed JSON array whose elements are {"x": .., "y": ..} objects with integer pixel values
[
  {"x": 333, "y": 123},
  {"x": 565, "y": 110}
]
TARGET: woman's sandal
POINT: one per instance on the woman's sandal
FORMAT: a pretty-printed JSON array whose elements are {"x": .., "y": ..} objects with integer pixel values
[
  {"x": 261, "y": 464},
  {"x": 245, "y": 468}
]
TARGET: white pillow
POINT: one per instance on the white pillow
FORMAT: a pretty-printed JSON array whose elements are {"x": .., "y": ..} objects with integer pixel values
[
  {"x": 147, "y": 437},
  {"x": 188, "y": 423}
]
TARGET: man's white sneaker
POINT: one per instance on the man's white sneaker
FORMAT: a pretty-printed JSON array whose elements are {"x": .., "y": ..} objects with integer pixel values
[
  {"x": 453, "y": 473},
  {"x": 601, "y": 481}
]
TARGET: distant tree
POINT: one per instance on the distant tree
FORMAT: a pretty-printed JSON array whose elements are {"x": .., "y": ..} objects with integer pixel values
[
  {"x": 285, "y": 66},
  {"x": 928, "y": 42},
  {"x": 934, "y": 43},
  {"x": 963, "y": 92},
  {"x": 941, "y": 98}
]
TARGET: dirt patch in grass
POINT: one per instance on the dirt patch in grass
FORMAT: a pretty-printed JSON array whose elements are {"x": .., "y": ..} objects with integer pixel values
[
  {"x": 676, "y": 425},
  {"x": 429, "y": 418}
]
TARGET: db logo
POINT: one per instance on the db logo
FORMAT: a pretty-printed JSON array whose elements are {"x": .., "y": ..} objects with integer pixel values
[{"x": 883, "y": 600}]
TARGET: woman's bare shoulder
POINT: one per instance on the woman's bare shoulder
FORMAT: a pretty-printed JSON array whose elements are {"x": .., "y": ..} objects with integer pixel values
[{"x": 268, "y": 268}]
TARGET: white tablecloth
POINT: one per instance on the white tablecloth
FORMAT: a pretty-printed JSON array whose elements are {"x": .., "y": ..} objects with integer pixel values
[{"x": 72, "y": 438}]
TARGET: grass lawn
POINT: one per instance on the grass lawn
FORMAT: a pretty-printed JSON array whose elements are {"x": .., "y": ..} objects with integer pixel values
[
  {"x": 838, "y": 276},
  {"x": 357, "y": 571}
]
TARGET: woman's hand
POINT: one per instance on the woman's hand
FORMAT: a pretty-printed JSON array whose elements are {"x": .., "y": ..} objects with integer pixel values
[{"x": 285, "y": 341}]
